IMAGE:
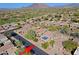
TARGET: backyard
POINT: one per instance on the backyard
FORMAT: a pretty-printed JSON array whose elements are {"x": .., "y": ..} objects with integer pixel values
[{"x": 31, "y": 35}]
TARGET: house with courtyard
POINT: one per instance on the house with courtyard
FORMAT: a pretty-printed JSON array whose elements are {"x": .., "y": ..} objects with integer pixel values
[
  {"x": 43, "y": 34},
  {"x": 39, "y": 31},
  {"x": 48, "y": 35}
]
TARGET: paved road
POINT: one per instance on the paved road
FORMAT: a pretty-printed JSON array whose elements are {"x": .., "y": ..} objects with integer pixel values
[{"x": 37, "y": 50}]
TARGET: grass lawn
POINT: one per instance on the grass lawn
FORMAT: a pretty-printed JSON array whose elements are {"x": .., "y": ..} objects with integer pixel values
[
  {"x": 53, "y": 28},
  {"x": 69, "y": 45}
]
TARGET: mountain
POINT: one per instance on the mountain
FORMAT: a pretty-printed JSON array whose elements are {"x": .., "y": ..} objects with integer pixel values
[
  {"x": 43, "y": 5},
  {"x": 39, "y": 5},
  {"x": 72, "y": 5}
]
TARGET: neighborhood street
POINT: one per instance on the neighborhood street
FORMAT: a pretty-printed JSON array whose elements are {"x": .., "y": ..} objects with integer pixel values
[{"x": 37, "y": 50}]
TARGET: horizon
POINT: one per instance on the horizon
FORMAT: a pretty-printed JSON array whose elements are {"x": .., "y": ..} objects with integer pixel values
[{"x": 20, "y": 5}]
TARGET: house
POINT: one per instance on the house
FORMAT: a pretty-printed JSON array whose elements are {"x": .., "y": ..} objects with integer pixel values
[
  {"x": 5, "y": 26},
  {"x": 74, "y": 25},
  {"x": 10, "y": 26},
  {"x": 21, "y": 23},
  {"x": 3, "y": 38},
  {"x": 1, "y": 29},
  {"x": 76, "y": 51},
  {"x": 7, "y": 48},
  {"x": 46, "y": 36},
  {"x": 43, "y": 34},
  {"x": 39, "y": 31}
]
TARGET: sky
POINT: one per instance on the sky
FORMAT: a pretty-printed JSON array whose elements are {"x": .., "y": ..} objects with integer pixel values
[{"x": 19, "y": 5}]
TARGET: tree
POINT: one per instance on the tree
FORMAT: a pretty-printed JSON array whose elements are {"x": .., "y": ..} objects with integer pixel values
[
  {"x": 45, "y": 45},
  {"x": 75, "y": 34},
  {"x": 18, "y": 25},
  {"x": 36, "y": 40},
  {"x": 18, "y": 43},
  {"x": 75, "y": 20},
  {"x": 65, "y": 29},
  {"x": 52, "y": 42}
]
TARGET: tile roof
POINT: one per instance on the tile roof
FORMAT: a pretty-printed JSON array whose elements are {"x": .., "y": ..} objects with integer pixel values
[
  {"x": 48, "y": 33},
  {"x": 40, "y": 30},
  {"x": 1, "y": 28},
  {"x": 6, "y": 46}
]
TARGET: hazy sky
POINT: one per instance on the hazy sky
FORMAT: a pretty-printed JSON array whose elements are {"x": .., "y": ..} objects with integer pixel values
[{"x": 19, "y": 5}]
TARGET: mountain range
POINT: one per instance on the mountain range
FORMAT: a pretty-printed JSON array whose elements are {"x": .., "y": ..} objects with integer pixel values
[
  {"x": 43, "y": 5},
  {"x": 72, "y": 5}
]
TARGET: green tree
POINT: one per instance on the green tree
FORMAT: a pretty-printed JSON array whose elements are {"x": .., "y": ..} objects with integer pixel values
[
  {"x": 45, "y": 45},
  {"x": 52, "y": 42}
]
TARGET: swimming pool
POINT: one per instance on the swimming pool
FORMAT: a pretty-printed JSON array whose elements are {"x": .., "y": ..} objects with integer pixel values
[{"x": 44, "y": 37}]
